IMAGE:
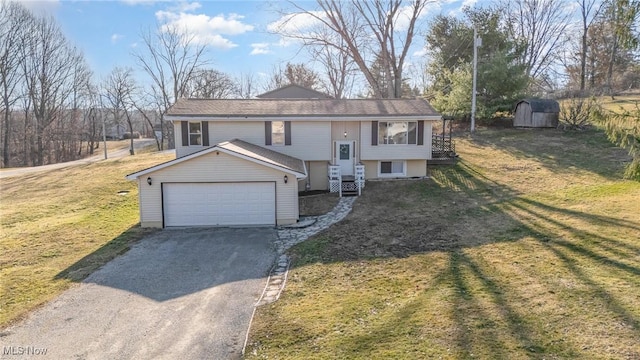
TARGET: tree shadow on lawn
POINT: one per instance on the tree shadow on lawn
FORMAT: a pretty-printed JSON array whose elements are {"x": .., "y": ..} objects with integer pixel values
[
  {"x": 172, "y": 263},
  {"x": 460, "y": 211},
  {"x": 107, "y": 252},
  {"x": 559, "y": 150}
]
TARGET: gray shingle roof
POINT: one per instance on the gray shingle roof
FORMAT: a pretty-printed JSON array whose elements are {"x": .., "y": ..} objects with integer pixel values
[
  {"x": 262, "y": 154},
  {"x": 241, "y": 108},
  {"x": 255, "y": 152},
  {"x": 294, "y": 91},
  {"x": 542, "y": 105}
]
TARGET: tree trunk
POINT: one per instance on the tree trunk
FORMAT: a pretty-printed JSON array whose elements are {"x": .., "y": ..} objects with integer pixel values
[
  {"x": 6, "y": 156},
  {"x": 612, "y": 59}
]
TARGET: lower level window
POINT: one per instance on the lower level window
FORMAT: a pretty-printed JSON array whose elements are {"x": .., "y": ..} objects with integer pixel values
[{"x": 392, "y": 168}]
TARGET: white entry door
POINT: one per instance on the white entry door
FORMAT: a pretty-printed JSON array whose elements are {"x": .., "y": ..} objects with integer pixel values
[{"x": 344, "y": 157}]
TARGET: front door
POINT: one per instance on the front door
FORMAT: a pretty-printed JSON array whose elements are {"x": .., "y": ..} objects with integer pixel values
[{"x": 344, "y": 157}]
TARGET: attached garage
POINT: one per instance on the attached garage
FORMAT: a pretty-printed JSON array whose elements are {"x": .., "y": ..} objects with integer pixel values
[
  {"x": 219, "y": 204},
  {"x": 234, "y": 183}
]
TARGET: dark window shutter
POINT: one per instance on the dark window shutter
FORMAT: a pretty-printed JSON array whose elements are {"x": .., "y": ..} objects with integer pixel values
[
  {"x": 374, "y": 133},
  {"x": 287, "y": 132},
  {"x": 185, "y": 133},
  {"x": 267, "y": 132},
  {"x": 205, "y": 133},
  {"x": 421, "y": 132}
]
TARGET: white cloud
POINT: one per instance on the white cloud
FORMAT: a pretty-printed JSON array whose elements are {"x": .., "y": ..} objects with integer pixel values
[
  {"x": 296, "y": 22},
  {"x": 205, "y": 29},
  {"x": 134, "y": 45},
  {"x": 260, "y": 49},
  {"x": 115, "y": 38},
  {"x": 138, "y": 2},
  {"x": 420, "y": 53},
  {"x": 403, "y": 18}
]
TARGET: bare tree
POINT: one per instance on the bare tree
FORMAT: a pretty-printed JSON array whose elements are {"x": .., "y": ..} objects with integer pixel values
[
  {"x": 589, "y": 12},
  {"x": 118, "y": 88},
  {"x": 211, "y": 84},
  {"x": 246, "y": 85},
  {"x": 365, "y": 28},
  {"x": 171, "y": 58},
  {"x": 540, "y": 26},
  {"x": 339, "y": 68},
  {"x": 622, "y": 16},
  {"x": 14, "y": 20},
  {"x": 50, "y": 63}
]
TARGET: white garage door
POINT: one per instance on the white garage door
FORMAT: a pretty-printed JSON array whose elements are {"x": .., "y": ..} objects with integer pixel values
[{"x": 219, "y": 204}]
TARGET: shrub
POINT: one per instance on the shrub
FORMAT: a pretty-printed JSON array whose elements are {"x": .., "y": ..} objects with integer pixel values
[{"x": 578, "y": 113}]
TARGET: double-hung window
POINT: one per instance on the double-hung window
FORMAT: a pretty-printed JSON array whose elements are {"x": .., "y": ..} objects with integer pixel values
[
  {"x": 195, "y": 133},
  {"x": 277, "y": 133},
  {"x": 397, "y": 132}
]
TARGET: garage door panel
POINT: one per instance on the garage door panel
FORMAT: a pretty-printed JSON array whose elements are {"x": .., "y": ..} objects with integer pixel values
[{"x": 219, "y": 204}]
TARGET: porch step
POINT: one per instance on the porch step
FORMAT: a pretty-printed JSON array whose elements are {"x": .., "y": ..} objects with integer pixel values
[{"x": 349, "y": 187}]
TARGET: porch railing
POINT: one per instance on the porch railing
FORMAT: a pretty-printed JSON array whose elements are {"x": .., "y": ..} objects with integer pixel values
[
  {"x": 352, "y": 183},
  {"x": 335, "y": 179}
]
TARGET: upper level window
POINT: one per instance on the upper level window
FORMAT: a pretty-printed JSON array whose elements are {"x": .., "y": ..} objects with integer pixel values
[
  {"x": 397, "y": 132},
  {"x": 195, "y": 133},
  {"x": 277, "y": 133}
]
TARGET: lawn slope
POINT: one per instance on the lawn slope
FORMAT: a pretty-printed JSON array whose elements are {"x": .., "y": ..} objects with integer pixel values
[
  {"x": 528, "y": 248},
  {"x": 58, "y": 226}
]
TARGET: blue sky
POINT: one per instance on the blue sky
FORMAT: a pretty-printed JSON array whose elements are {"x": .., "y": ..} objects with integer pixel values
[{"x": 235, "y": 32}]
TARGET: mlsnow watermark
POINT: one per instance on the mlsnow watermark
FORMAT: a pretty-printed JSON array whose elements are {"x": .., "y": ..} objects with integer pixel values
[{"x": 23, "y": 350}]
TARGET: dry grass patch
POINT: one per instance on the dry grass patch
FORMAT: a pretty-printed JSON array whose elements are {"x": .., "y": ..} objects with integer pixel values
[
  {"x": 313, "y": 205},
  {"x": 58, "y": 226},
  {"x": 528, "y": 248}
]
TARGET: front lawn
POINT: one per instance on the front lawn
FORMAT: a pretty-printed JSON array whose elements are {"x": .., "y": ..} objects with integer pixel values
[
  {"x": 58, "y": 226},
  {"x": 528, "y": 248}
]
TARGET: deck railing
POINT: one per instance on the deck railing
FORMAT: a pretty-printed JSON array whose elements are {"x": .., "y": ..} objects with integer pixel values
[{"x": 442, "y": 147}]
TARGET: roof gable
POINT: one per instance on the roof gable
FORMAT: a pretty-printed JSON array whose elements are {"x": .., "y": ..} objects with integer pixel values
[
  {"x": 241, "y": 149},
  {"x": 294, "y": 91}
]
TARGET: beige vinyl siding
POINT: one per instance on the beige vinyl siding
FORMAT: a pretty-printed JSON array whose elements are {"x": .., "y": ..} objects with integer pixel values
[
  {"x": 317, "y": 176},
  {"x": 394, "y": 152},
  {"x": 416, "y": 168},
  {"x": 217, "y": 168},
  {"x": 310, "y": 141},
  {"x": 351, "y": 127},
  {"x": 249, "y": 131}
]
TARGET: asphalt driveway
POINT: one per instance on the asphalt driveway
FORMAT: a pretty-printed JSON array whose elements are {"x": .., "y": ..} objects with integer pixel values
[{"x": 177, "y": 294}]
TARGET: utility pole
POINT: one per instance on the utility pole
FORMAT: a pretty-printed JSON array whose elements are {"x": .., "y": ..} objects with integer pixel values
[{"x": 477, "y": 42}]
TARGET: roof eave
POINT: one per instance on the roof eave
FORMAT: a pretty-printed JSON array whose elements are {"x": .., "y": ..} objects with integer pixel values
[
  {"x": 172, "y": 118},
  {"x": 173, "y": 162}
]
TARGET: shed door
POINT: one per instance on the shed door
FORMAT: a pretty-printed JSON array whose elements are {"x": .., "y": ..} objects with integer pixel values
[{"x": 219, "y": 204}]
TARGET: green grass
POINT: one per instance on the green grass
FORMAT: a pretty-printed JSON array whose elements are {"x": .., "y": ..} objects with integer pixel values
[
  {"x": 58, "y": 226},
  {"x": 528, "y": 248}
]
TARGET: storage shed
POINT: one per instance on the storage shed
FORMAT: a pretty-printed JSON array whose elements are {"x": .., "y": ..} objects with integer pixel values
[{"x": 536, "y": 113}]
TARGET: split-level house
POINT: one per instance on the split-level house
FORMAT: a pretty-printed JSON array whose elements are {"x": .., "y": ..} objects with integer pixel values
[{"x": 243, "y": 162}]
